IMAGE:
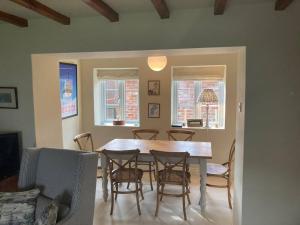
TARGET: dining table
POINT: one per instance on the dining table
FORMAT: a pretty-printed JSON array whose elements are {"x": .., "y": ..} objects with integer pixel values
[{"x": 199, "y": 152}]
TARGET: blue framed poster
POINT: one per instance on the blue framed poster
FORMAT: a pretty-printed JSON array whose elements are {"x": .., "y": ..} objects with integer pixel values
[{"x": 68, "y": 90}]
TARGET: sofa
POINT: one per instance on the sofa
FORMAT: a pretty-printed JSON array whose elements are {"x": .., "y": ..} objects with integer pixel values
[{"x": 66, "y": 176}]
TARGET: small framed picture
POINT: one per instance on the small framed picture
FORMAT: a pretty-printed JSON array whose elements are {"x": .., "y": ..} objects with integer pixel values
[
  {"x": 153, "y": 87},
  {"x": 153, "y": 110},
  {"x": 8, "y": 98}
]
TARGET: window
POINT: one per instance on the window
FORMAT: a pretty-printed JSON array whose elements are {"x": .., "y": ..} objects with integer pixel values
[
  {"x": 117, "y": 96},
  {"x": 187, "y": 85}
]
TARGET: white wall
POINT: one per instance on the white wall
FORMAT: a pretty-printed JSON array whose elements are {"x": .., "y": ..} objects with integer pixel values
[
  {"x": 221, "y": 138},
  {"x": 46, "y": 97},
  {"x": 271, "y": 148},
  {"x": 50, "y": 129}
]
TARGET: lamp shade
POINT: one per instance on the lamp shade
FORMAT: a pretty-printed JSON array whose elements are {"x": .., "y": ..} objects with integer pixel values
[
  {"x": 208, "y": 96},
  {"x": 157, "y": 63}
]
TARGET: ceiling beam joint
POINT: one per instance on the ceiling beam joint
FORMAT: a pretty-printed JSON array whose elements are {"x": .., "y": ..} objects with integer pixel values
[
  {"x": 161, "y": 8},
  {"x": 104, "y": 9},
  {"x": 282, "y": 4},
  {"x": 43, "y": 10},
  {"x": 220, "y": 6},
  {"x": 15, "y": 20}
]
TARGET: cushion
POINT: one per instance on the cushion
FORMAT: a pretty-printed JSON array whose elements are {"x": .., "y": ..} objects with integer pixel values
[
  {"x": 43, "y": 202},
  {"x": 173, "y": 176},
  {"x": 18, "y": 208},
  {"x": 216, "y": 169},
  {"x": 48, "y": 216},
  {"x": 126, "y": 175}
]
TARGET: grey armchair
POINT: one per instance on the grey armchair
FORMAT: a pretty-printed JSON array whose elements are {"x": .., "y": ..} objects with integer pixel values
[{"x": 64, "y": 175}]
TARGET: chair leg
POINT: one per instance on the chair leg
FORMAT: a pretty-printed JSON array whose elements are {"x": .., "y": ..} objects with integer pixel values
[
  {"x": 187, "y": 193},
  {"x": 128, "y": 184},
  {"x": 228, "y": 193},
  {"x": 150, "y": 175},
  {"x": 162, "y": 191},
  {"x": 141, "y": 190},
  {"x": 154, "y": 173},
  {"x": 157, "y": 200},
  {"x": 112, "y": 200},
  {"x": 137, "y": 197},
  {"x": 183, "y": 201},
  {"x": 117, "y": 189}
]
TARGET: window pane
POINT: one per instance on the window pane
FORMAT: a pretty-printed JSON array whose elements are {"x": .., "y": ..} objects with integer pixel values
[
  {"x": 111, "y": 113},
  {"x": 132, "y": 100},
  {"x": 112, "y": 97},
  {"x": 185, "y": 97},
  {"x": 185, "y": 100},
  {"x": 112, "y": 100},
  {"x": 216, "y": 111},
  {"x": 119, "y": 100}
]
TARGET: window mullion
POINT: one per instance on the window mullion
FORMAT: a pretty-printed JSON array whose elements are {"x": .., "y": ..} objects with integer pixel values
[{"x": 122, "y": 98}]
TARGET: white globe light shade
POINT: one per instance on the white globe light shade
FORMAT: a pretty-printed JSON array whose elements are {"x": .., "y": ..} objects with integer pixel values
[{"x": 157, "y": 63}]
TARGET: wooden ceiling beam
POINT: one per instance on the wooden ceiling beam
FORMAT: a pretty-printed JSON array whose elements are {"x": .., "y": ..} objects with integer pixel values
[
  {"x": 162, "y": 8},
  {"x": 104, "y": 9},
  {"x": 220, "y": 6},
  {"x": 282, "y": 4},
  {"x": 15, "y": 20},
  {"x": 43, "y": 10}
]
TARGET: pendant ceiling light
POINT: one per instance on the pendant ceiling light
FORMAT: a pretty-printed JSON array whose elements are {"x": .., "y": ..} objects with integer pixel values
[{"x": 157, "y": 63}]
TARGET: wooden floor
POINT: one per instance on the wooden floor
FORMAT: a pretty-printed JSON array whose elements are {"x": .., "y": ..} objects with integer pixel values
[{"x": 125, "y": 211}]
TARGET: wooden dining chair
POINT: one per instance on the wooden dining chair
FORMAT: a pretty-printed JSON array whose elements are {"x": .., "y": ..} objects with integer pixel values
[
  {"x": 223, "y": 171},
  {"x": 180, "y": 135},
  {"x": 85, "y": 143},
  {"x": 174, "y": 172},
  {"x": 183, "y": 135},
  {"x": 120, "y": 173},
  {"x": 149, "y": 134}
]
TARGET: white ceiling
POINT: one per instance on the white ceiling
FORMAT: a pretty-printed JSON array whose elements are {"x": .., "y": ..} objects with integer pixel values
[{"x": 77, "y": 8}]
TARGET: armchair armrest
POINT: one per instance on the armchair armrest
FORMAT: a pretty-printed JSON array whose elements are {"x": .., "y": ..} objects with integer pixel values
[
  {"x": 27, "y": 176},
  {"x": 83, "y": 200}
]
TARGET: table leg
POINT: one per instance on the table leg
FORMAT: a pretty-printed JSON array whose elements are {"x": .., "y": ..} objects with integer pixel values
[
  {"x": 203, "y": 176},
  {"x": 104, "y": 175}
]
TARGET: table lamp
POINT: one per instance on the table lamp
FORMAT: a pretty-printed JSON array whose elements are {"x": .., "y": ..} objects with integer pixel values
[{"x": 208, "y": 96}]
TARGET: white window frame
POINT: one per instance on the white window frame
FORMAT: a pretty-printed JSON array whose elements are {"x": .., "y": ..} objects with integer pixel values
[
  {"x": 174, "y": 111},
  {"x": 221, "y": 76},
  {"x": 100, "y": 105}
]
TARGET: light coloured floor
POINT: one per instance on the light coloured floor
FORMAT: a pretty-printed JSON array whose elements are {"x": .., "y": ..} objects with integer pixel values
[{"x": 170, "y": 212}]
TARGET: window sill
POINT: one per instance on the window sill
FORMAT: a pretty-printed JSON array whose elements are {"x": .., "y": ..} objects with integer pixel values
[
  {"x": 111, "y": 125},
  {"x": 197, "y": 128}
]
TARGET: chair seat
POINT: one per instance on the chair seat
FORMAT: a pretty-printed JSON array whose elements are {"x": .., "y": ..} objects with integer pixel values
[
  {"x": 126, "y": 175},
  {"x": 145, "y": 163},
  {"x": 216, "y": 169},
  {"x": 172, "y": 176}
]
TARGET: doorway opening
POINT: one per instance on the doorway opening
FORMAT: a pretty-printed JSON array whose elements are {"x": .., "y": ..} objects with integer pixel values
[{"x": 53, "y": 131}]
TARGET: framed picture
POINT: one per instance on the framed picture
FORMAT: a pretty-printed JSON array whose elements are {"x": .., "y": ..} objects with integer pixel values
[
  {"x": 68, "y": 90},
  {"x": 153, "y": 87},
  {"x": 8, "y": 98},
  {"x": 153, "y": 110}
]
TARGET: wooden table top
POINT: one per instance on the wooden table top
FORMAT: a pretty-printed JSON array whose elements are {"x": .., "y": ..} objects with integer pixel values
[{"x": 195, "y": 148}]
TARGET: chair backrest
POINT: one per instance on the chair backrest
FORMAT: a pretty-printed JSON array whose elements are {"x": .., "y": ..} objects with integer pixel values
[
  {"x": 186, "y": 134},
  {"x": 231, "y": 153},
  {"x": 171, "y": 160},
  {"x": 149, "y": 134},
  {"x": 85, "y": 141},
  {"x": 113, "y": 157}
]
